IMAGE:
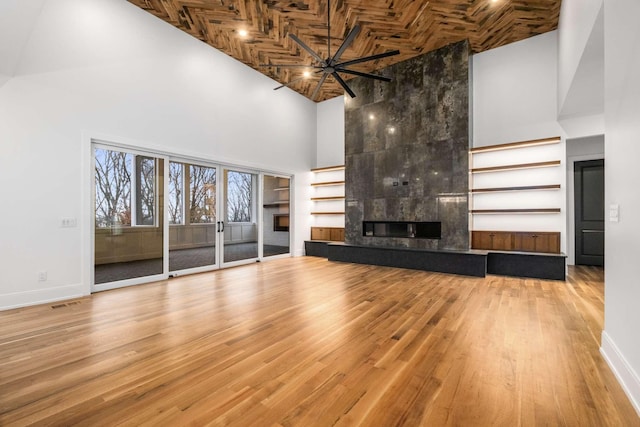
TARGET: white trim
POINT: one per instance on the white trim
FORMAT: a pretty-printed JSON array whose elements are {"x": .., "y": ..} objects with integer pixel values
[
  {"x": 571, "y": 220},
  {"x": 43, "y": 296},
  {"x": 627, "y": 377}
]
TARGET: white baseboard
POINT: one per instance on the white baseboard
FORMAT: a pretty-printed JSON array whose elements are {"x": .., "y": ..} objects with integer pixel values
[
  {"x": 41, "y": 296},
  {"x": 626, "y": 375}
]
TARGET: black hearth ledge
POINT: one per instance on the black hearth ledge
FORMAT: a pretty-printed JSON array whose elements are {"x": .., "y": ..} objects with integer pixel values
[{"x": 477, "y": 263}]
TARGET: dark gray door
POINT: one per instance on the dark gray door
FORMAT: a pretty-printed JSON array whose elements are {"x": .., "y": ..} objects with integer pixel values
[{"x": 589, "y": 208}]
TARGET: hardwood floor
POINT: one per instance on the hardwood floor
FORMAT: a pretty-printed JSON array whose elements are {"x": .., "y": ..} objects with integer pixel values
[{"x": 308, "y": 342}]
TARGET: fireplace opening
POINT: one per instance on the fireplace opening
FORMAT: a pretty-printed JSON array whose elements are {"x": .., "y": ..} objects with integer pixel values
[{"x": 413, "y": 230}]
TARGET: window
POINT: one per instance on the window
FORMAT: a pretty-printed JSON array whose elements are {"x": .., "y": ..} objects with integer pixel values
[
  {"x": 115, "y": 178},
  {"x": 176, "y": 193},
  {"x": 239, "y": 194},
  {"x": 202, "y": 189}
]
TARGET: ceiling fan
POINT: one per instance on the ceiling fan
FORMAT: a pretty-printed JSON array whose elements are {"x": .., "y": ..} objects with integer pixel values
[{"x": 331, "y": 66}]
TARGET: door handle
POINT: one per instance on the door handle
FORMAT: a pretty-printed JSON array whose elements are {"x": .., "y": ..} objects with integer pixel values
[{"x": 221, "y": 226}]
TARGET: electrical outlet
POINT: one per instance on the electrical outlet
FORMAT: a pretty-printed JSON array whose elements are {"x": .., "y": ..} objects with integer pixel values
[{"x": 42, "y": 276}]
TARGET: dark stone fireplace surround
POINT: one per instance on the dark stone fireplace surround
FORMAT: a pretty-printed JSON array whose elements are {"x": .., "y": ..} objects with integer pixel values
[{"x": 406, "y": 150}]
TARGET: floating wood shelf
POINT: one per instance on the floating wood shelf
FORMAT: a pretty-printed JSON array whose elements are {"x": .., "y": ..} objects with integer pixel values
[
  {"x": 276, "y": 204},
  {"x": 519, "y": 166},
  {"x": 328, "y": 168},
  {"x": 316, "y": 199},
  {"x": 327, "y": 213},
  {"x": 327, "y": 183},
  {"x": 521, "y": 188},
  {"x": 516, "y": 211},
  {"x": 281, "y": 189},
  {"x": 521, "y": 144}
]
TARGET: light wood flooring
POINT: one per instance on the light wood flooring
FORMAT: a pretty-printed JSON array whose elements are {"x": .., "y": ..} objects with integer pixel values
[{"x": 308, "y": 342}]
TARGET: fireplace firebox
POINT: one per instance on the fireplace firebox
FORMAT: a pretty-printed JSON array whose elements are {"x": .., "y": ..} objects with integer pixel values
[{"x": 409, "y": 229}]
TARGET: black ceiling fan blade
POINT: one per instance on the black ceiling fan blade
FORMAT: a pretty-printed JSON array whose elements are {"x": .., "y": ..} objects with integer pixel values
[
  {"x": 343, "y": 84},
  {"x": 368, "y": 75},
  {"x": 290, "y": 83},
  {"x": 346, "y": 43},
  {"x": 307, "y": 48},
  {"x": 317, "y": 89},
  {"x": 367, "y": 58}
]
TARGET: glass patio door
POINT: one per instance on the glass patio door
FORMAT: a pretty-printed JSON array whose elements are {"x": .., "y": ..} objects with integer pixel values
[
  {"x": 275, "y": 215},
  {"x": 128, "y": 217},
  {"x": 192, "y": 208},
  {"x": 240, "y": 226}
]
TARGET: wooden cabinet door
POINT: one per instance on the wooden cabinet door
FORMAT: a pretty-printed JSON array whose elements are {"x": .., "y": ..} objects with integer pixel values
[
  {"x": 481, "y": 240},
  {"x": 496, "y": 240},
  {"x": 336, "y": 234},
  {"x": 320, "y": 233},
  {"x": 502, "y": 240},
  {"x": 525, "y": 242},
  {"x": 548, "y": 243}
]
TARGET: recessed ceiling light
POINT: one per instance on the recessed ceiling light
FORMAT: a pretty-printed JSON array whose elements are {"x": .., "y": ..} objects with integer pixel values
[
  {"x": 371, "y": 117},
  {"x": 243, "y": 33},
  {"x": 307, "y": 74}
]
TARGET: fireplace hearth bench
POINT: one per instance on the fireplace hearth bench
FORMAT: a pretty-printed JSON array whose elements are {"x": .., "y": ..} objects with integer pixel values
[{"x": 477, "y": 263}]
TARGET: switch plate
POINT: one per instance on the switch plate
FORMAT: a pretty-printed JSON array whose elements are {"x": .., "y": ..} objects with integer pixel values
[
  {"x": 42, "y": 276},
  {"x": 68, "y": 222},
  {"x": 614, "y": 213}
]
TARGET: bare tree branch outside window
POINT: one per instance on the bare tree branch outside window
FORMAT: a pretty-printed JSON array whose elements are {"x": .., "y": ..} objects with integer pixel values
[
  {"x": 145, "y": 190},
  {"x": 239, "y": 193},
  {"x": 175, "y": 199},
  {"x": 113, "y": 188},
  {"x": 202, "y": 185}
]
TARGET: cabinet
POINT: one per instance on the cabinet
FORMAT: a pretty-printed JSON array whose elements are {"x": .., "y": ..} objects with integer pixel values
[
  {"x": 335, "y": 234},
  {"x": 522, "y": 241},
  {"x": 328, "y": 198}
]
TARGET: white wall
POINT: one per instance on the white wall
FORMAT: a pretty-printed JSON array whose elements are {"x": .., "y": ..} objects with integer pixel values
[
  {"x": 515, "y": 99},
  {"x": 577, "y": 20},
  {"x": 330, "y": 137},
  {"x": 515, "y": 92},
  {"x": 620, "y": 343},
  {"x": 107, "y": 69}
]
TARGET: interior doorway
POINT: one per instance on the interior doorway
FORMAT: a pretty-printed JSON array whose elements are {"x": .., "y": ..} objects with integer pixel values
[{"x": 589, "y": 212}]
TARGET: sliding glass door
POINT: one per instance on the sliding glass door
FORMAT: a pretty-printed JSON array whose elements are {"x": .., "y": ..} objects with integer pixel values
[
  {"x": 128, "y": 215},
  {"x": 275, "y": 215},
  {"x": 193, "y": 216},
  {"x": 158, "y": 216},
  {"x": 240, "y": 226}
]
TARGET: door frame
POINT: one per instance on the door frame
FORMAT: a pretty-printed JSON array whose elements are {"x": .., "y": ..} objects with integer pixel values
[
  {"x": 571, "y": 213},
  {"x": 93, "y": 287}
]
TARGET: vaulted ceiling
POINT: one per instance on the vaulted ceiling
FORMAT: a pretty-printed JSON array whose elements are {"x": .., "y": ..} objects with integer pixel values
[{"x": 413, "y": 27}]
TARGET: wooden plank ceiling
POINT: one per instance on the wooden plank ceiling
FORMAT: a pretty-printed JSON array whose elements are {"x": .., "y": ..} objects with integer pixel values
[{"x": 413, "y": 27}]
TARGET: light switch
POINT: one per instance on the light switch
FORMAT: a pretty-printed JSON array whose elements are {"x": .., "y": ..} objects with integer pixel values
[{"x": 614, "y": 213}]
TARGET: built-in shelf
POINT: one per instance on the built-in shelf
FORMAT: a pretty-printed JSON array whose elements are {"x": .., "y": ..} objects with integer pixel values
[
  {"x": 520, "y": 144},
  {"x": 276, "y": 204},
  {"x": 328, "y": 168},
  {"x": 516, "y": 211},
  {"x": 516, "y": 167},
  {"x": 328, "y": 203},
  {"x": 327, "y": 183},
  {"x": 316, "y": 199},
  {"x": 281, "y": 189},
  {"x": 521, "y": 188}
]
